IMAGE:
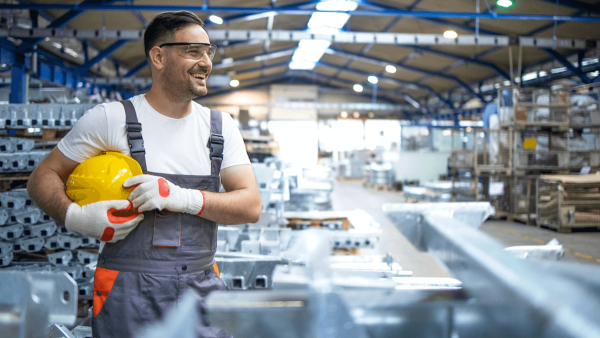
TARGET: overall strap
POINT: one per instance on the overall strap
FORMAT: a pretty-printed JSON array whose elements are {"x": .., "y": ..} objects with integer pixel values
[
  {"x": 216, "y": 142},
  {"x": 134, "y": 135}
]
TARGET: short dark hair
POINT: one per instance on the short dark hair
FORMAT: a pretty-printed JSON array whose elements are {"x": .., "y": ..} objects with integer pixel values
[{"x": 162, "y": 28}]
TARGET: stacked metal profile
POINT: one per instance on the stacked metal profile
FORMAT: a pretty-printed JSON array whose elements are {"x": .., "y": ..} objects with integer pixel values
[
  {"x": 565, "y": 202},
  {"x": 31, "y": 241},
  {"x": 55, "y": 116},
  {"x": 247, "y": 254},
  {"x": 19, "y": 155}
]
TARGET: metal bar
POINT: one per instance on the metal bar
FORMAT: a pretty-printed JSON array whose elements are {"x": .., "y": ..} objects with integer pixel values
[
  {"x": 139, "y": 15},
  {"x": 400, "y": 39},
  {"x": 290, "y": 11},
  {"x": 563, "y": 60},
  {"x": 136, "y": 69},
  {"x": 18, "y": 84},
  {"x": 101, "y": 56}
]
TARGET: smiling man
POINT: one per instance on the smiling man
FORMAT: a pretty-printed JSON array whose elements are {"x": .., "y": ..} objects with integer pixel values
[{"x": 185, "y": 152}]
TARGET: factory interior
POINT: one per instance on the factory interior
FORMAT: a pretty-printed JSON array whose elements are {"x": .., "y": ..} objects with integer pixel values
[{"x": 426, "y": 168}]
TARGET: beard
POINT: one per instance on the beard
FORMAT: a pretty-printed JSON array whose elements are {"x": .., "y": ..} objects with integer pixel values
[{"x": 180, "y": 88}]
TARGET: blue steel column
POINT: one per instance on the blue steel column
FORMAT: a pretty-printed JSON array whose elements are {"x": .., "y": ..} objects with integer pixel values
[{"x": 18, "y": 84}]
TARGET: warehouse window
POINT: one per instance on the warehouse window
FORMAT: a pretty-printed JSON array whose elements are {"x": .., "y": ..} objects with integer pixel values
[
  {"x": 298, "y": 141},
  {"x": 383, "y": 134}
]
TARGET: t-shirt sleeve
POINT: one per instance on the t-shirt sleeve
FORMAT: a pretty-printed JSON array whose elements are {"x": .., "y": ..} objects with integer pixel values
[
  {"x": 234, "y": 152},
  {"x": 88, "y": 137}
]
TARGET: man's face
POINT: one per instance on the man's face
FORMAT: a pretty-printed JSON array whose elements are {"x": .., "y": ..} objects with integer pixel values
[{"x": 185, "y": 79}]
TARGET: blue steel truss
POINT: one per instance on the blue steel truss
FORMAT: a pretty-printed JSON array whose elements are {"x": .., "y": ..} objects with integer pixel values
[{"x": 296, "y": 11}]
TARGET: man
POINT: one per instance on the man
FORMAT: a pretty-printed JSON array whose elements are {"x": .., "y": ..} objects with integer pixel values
[{"x": 147, "y": 263}]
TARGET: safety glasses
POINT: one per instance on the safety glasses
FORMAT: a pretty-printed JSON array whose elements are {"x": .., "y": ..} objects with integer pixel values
[{"x": 192, "y": 50}]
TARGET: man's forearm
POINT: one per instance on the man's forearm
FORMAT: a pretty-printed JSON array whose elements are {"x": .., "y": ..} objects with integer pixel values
[
  {"x": 47, "y": 190},
  {"x": 235, "y": 207}
]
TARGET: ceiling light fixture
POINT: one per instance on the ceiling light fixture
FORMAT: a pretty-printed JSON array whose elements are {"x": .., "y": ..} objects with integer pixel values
[
  {"x": 371, "y": 115},
  {"x": 234, "y": 83},
  {"x": 358, "y": 88},
  {"x": 344, "y": 114},
  {"x": 450, "y": 34},
  {"x": 373, "y": 79},
  {"x": 215, "y": 19},
  {"x": 504, "y": 3},
  {"x": 390, "y": 69},
  {"x": 356, "y": 114},
  {"x": 337, "y": 5}
]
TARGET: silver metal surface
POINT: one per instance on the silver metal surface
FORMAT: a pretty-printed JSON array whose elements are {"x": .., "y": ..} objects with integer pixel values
[
  {"x": 552, "y": 251},
  {"x": 493, "y": 277},
  {"x": 60, "y": 258},
  {"x": 32, "y": 302}
]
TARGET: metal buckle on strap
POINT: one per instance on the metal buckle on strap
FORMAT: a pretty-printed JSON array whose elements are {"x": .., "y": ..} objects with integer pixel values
[
  {"x": 133, "y": 127},
  {"x": 137, "y": 145},
  {"x": 216, "y": 145}
]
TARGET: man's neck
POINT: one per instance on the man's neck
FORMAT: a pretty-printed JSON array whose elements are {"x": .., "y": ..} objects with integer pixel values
[{"x": 161, "y": 102}]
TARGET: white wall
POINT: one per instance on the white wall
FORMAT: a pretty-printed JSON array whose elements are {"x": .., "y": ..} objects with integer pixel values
[{"x": 425, "y": 166}]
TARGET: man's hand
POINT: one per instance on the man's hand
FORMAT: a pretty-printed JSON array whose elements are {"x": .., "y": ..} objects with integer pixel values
[
  {"x": 154, "y": 192},
  {"x": 97, "y": 220}
]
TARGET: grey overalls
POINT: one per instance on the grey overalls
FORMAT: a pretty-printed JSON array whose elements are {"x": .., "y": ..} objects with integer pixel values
[{"x": 141, "y": 277}]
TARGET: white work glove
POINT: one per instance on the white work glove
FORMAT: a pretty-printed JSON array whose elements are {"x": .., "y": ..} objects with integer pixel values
[
  {"x": 97, "y": 220},
  {"x": 154, "y": 192}
]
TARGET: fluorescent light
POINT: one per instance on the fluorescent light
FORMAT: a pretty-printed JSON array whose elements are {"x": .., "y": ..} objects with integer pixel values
[
  {"x": 305, "y": 54},
  {"x": 390, "y": 69},
  {"x": 337, "y": 5},
  {"x": 57, "y": 45},
  {"x": 558, "y": 70},
  {"x": 530, "y": 76},
  {"x": 215, "y": 19},
  {"x": 356, "y": 114},
  {"x": 542, "y": 73},
  {"x": 71, "y": 52},
  {"x": 344, "y": 114},
  {"x": 506, "y": 83},
  {"x": 234, "y": 83},
  {"x": 358, "y": 88},
  {"x": 314, "y": 44},
  {"x": 450, "y": 34},
  {"x": 372, "y": 79},
  {"x": 302, "y": 65},
  {"x": 504, "y": 3},
  {"x": 328, "y": 19}
]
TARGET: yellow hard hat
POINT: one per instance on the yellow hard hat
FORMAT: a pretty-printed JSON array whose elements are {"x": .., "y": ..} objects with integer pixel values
[{"x": 101, "y": 178}]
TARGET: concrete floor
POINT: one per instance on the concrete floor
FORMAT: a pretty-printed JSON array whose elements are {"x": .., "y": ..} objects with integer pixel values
[{"x": 580, "y": 247}]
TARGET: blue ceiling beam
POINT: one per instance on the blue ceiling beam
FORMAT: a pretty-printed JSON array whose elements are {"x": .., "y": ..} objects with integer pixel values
[
  {"x": 293, "y": 11},
  {"x": 411, "y": 68},
  {"x": 563, "y": 60},
  {"x": 61, "y": 22},
  {"x": 101, "y": 56},
  {"x": 136, "y": 69},
  {"x": 579, "y": 5},
  {"x": 467, "y": 59}
]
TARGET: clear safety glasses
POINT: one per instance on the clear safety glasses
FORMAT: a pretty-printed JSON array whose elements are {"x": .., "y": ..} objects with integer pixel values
[{"x": 193, "y": 50}]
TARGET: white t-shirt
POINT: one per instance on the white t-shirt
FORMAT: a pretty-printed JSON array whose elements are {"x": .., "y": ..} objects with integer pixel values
[{"x": 173, "y": 146}]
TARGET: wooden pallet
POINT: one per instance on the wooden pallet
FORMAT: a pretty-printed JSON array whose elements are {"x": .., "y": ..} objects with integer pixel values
[
  {"x": 522, "y": 218},
  {"x": 349, "y": 179},
  {"x": 379, "y": 187}
]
